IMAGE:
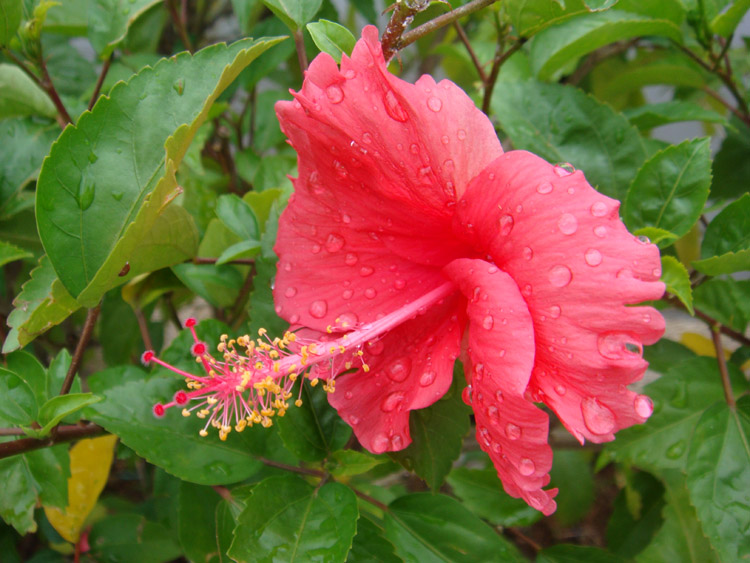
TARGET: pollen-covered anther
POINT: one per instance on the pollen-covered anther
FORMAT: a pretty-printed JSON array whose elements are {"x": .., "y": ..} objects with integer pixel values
[
  {"x": 185, "y": 412},
  {"x": 203, "y": 433}
]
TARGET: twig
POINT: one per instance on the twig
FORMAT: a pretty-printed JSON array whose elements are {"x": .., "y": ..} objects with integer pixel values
[
  {"x": 737, "y": 113},
  {"x": 292, "y": 468},
  {"x": 88, "y": 329},
  {"x": 299, "y": 44},
  {"x": 475, "y": 61},
  {"x": 499, "y": 61},
  {"x": 524, "y": 538},
  {"x": 143, "y": 328},
  {"x": 240, "y": 261},
  {"x": 100, "y": 81},
  {"x": 725, "y": 330},
  {"x": 247, "y": 286},
  {"x": 49, "y": 87},
  {"x": 64, "y": 434},
  {"x": 721, "y": 360},
  {"x": 371, "y": 500},
  {"x": 179, "y": 24},
  {"x": 12, "y": 432}
]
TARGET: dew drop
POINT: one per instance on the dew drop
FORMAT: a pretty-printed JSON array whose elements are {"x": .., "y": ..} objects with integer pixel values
[
  {"x": 512, "y": 431},
  {"x": 643, "y": 239},
  {"x": 466, "y": 395},
  {"x": 334, "y": 93},
  {"x": 294, "y": 319},
  {"x": 599, "y": 209},
  {"x": 593, "y": 257},
  {"x": 349, "y": 74},
  {"x": 527, "y": 290},
  {"x": 347, "y": 294},
  {"x": 560, "y": 276},
  {"x": 427, "y": 378},
  {"x": 397, "y": 442},
  {"x": 449, "y": 166},
  {"x": 526, "y": 467},
  {"x": 392, "y": 401},
  {"x": 278, "y": 309},
  {"x": 488, "y": 322},
  {"x": 348, "y": 395},
  {"x": 506, "y": 224},
  {"x": 351, "y": 259},
  {"x": 399, "y": 370},
  {"x": 334, "y": 242},
  {"x": 116, "y": 195},
  {"x": 544, "y": 188},
  {"x": 318, "y": 309},
  {"x": 618, "y": 345},
  {"x": 561, "y": 390},
  {"x": 528, "y": 254},
  {"x": 563, "y": 169},
  {"x": 554, "y": 311},
  {"x": 290, "y": 291},
  {"x": 499, "y": 396},
  {"x": 393, "y": 107},
  {"x": 644, "y": 407},
  {"x": 597, "y": 417},
  {"x": 497, "y": 448},
  {"x": 365, "y": 271},
  {"x": 445, "y": 140},
  {"x": 485, "y": 435},
  {"x": 493, "y": 413},
  {"x": 315, "y": 249},
  {"x": 345, "y": 219},
  {"x": 461, "y": 134},
  {"x": 567, "y": 224},
  {"x": 434, "y": 104},
  {"x": 600, "y": 231},
  {"x": 380, "y": 443},
  {"x": 375, "y": 347},
  {"x": 371, "y": 293},
  {"x": 676, "y": 450}
]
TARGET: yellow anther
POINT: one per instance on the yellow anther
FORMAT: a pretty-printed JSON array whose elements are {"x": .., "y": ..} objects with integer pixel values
[
  {"x": 348, "y": 365},
  {"x": 298, "y": 402},
  {"x": 185, "y": 412},
  {"x": 342, "y": 349},
  {"x": 293, "y": 377},
  {"x": 281, "y": 412},
  {"x": 223, "y": 337},
  {"x": 360, "y": 353},
  {"x": 221, "y": 347},
  {"x": 292, "y": 368},
  {"x": 329, "y": 329},
  {"x": 203, "y": 433},
  {"x": 273, "y": 354},
  {"x": 276, "y": 367},
  {"x": 344, "y": 324},
  {"x": 258, "y": 366},
  {"x": 212, "y": 400},
  {"x": 241, "y": 425},
  {"x": 332, "y": 350},
  {"x": 203, "y": 413},
  {"x": 365, "y": 368},
  {"x": 314, "y": 382},
  {"x": 262, "y": 331}
]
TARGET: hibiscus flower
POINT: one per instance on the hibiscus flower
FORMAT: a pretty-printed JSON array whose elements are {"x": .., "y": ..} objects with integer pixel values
[{"x": 413, "y": 235}]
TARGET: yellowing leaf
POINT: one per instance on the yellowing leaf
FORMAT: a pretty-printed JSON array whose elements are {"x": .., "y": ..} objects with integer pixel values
[
  {"x": 90, "y": 461},
  {"x": 701, "y": 345}
]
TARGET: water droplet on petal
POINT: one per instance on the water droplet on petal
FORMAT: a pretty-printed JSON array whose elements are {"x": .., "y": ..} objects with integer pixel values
[
  {"x": 290, "y": 291},
  {"x": 506, "y": 225},
  {"x": 349, "y": 74},
  {"x": 488, "y": 322},
  {"x": 380, "y": 443},
  {"x": 334, "y": 242},
  {"x": 644, "y": 407},
  {"x": 593, "y": 257},
  {"x": 499, "y": 396},
  {"x": 528, "y": 254},
  {"x": 347, "y": 294},
  {"x": 399, "y": 370},
  {"x": 365, "y": 271},
  {"x": 371, "y": 293},
  {"x": 563, "y": 169},
  {"x": 560, "y": 276},
  {"x": 346, "y": 219},
  {"x": 526, "y": 467},
  {"x": 427, "y": 378},
  {"x": 434, "y": 104},
  {"x": 444, "y": 139},
  {"x": 600, "y": 231},
  {"x": 544, "y": 188},
  {"x": 318, "y": 309},
  {"x": 348, "y": 395},
  {"x": 554, "y": 311},
  {"x": 315, "y": 249},
  {"x": 334, "y": 93},
  {"x": 351, "y": 259},
  {"x": 397, "y": 442},
  {"x": 617, "y": 345},
  {"x": 497, "y": 448},
  {"x": 597, "y": 417},
  {"x": 567, "y": 224},
  {"x": 466, "y": 395},
  {"x": 399, "y": 284},
  {"x": 392, "y": 401},
  {"x": 485, "y": 436},
  {"x": 599, "y": 209},
  {"x": 527, "y": 290},
  {"x": 461, "y": 134},
  {"x": 393, "y": 107},
  {"x": 512, "y": 431}
]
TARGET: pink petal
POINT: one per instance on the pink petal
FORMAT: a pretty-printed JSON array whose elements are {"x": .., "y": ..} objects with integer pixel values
[
  {"x": 578, "y": 268},
  {"x": 379, "y": 174},
  {"x": 511, "y": 429},
  {"x": 410, "y": 368}
]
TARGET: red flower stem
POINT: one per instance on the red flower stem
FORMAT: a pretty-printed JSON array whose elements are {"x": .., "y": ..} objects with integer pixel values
[
  {"x": 722, "y": 362},
  {"x": 299, "y": 44},
  {"x": 100, "y": 81},
  {"x": 64, "y": 434}
]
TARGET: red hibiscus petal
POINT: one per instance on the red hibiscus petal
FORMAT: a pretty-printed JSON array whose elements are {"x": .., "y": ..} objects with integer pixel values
[
  {"x": 410, "y": 368},
  {"x": 578, "y": 268},
  {"x": 511, "y": 429},
  {"x": 379, "y": 173}
]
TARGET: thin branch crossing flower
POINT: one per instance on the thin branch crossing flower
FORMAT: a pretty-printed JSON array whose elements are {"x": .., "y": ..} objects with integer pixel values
[{"x": 412, "y": 240}]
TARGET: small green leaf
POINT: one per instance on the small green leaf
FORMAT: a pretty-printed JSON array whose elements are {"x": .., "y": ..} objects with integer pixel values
[
  {"x": 131, "y": 538},
  {"x": 20, "y": 96},
  {"x": 350, "y": 462},
  {"x": 437, "y": 433},
  {"x": 677, "y": 280},
  {"x": 244, "y": 249},
  {"x": 11, "y": 253},
  {"x": 657, "y": 236},
  {"x": 11, "y": 13},
  {"x": 726, "y": 300},
  {"x": 726, "y": 22},
  {"x": 18, "y": 495},
  {"x": 332, "y": 38},
  {"x": 718, "y": 477},
  {"x": 529, "y": 17},
  {"x": 197, "y": 522},
  {"x": 370, "y": 545},
  {"x": 314, "y": 430},
  {"x": 57, "y": 408},
  {"x": 556, "y": 46},
  {"x": 28, "y": 368},
  {"x": 569, "y": 553},
  {"x": 563, "y": 124},
  {"x": 482, "y": 492},
  {"x": 636, "y": 515},
  {"x": 427, "y": 527},
  {"x": 18, "y": 404},
  {"x": 653, "y": 115},
  {"x": 294, "y": 13},
  {"x": 731, "y": 165},
  {"x": 238, "y": 216},
  {"x": 219, "y": 285},
  {"x": 288, "y": 520},
  {"x": 571, "y": 473},
  {"x": 726, "y": 244},
  {"x": 671, "y": 188},
  {"x": 109, "y": 21},
  {"x": 665, "y": 354}
]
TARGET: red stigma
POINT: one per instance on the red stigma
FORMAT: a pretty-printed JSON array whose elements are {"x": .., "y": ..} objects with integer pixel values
[
  {"x": 158, "y": 410},
  {"x": 198, "y": 349},
  {"x": 191, "y": 322},
  {"x": 181, "y": 397},
  {"x": 146, "y": 357}
]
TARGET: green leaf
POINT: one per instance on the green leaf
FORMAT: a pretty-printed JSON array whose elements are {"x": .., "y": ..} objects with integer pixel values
[
  {"x": 173, "y": 442},
  {"x": 726, "y": 300},
  {"x": 425, "y": 527},
  {"x": 665, "y": 354},
  {"x": 437, "y": 434},
  {"x": 675, "y": 111},
  {"x": 130, "y": 538},
  {"x": 672, "y": 10},
  {"x": 731, "y": 165},
  {"x": 20, "y": 96},
  {"x": 17, "y": 404},
  {"x": 11, "y": 12},
  {"x": 677, "y": 280},
  {"x": 660, "y": 237},
  {"x": 101, "y": 191},
  {"x": 294, "y": 13},
  {"x": 219, "y": 285},
  {"x": 718, "y": 477},
  {"x": 350, "y": 462},
  {"x": 261, "y": 307},
  {"x": 482, "y": 492},
  {"x": 726, "y": 244},
  {"x": 109, "y": 21},
  {"x": 636, "y": 515},
  {"x": 57, "y": 408},
  {"x": 42, "y": 304},
  {"x": 314, "y": 430},
  {"x": 563, "y": 124},
  {"x": 238, "y": 216},
  {"x": 11, "y": 253},
  {"x": 569, "y": 553},
  {"x": 556, "y": 46},
  {"x": 197, "y": 522},
  {"x": 671, "y": 188},
  {"x": 332, "y": 38},
  {"x": 680, "y": 398},
  {"x": 58, "y": 368},
  {"x": 531, "y": 16},
  {"x": 571, "y": 473},
  {"x": 244, "y": 249},
  {"x": 370, "y": 545},
  {"x": 288, "y": 520},
  {"x": 725, "y": 23}
]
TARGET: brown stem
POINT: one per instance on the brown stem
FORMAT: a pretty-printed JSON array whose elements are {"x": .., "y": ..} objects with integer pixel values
[
  {"x": 299, "y": 44},
  {"x": 499, "y": 61},
  {"x": 100, "y": 81},
  {"x": 224, "y": 493},
  {"x": 174, "y": 316},
  {"x": 49, "y": 87},
  {"x": 371, "y": 500},
  {"x": 240, "y": 261},
  {"x": 179, "y": 25},
  {"x": 247, "y": 286},
  {"x": 737, "y": 113},
  {"x": 725, "y": 330},
  {"x": 143, "y": 328},
  {"x": 11, "y": 432},
  {"x": 475, "y": 61},
  {"x": 292, "y": 468},
  {"x": 598, "y": 56},
  {"x": 64, "y": 434},
  {"x": 88, "y": 329},
  {"x": 722, "y": 361},
  {"x": 525, "y": 539},
  {"x": 440, "y": 21}
]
